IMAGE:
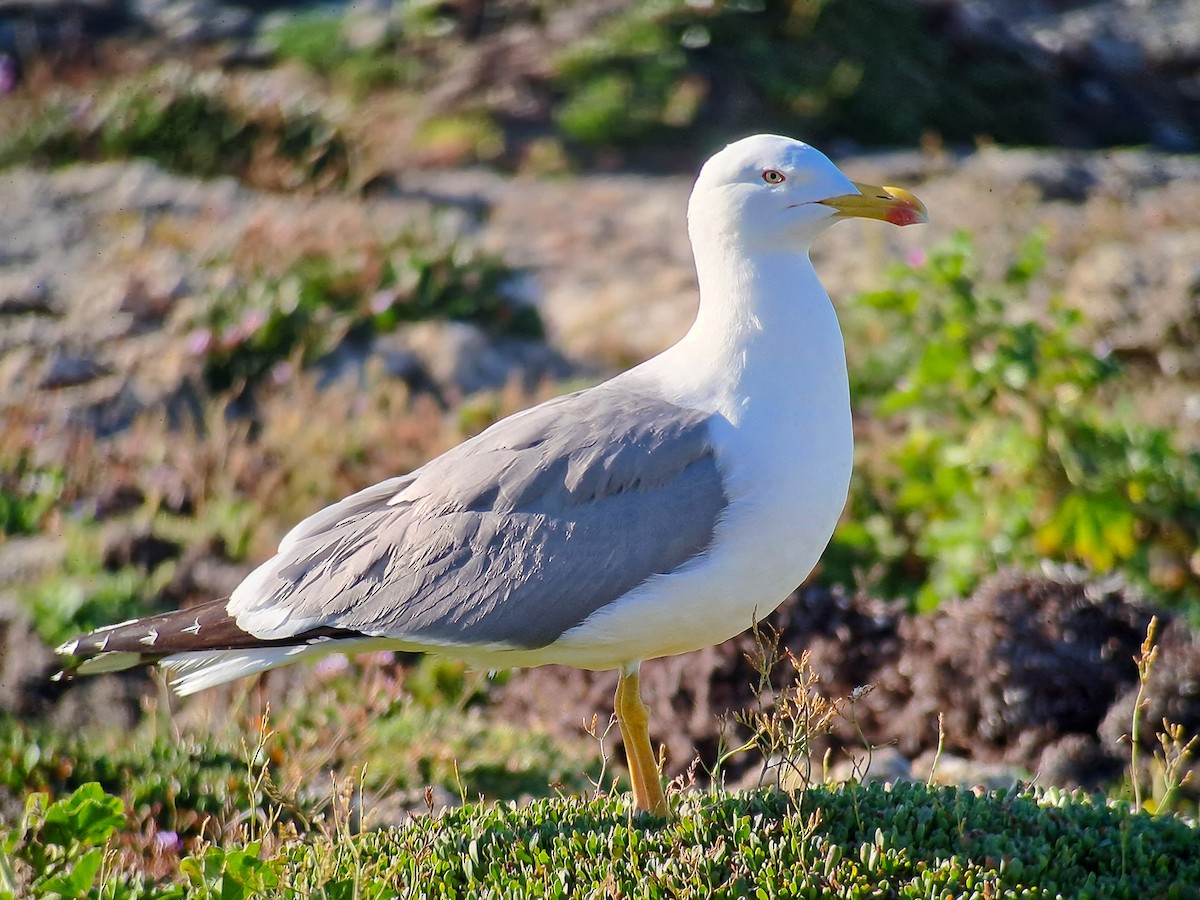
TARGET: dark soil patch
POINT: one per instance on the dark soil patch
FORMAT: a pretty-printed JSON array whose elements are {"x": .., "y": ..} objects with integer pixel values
[{"x": 1035, "y": 672}]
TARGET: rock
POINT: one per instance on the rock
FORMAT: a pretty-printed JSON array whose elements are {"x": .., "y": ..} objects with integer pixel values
[
  {"x": 190, "y": 22},
  {"x": 27, "y": 691},
  {"x": 141, "y": 549},
  {"x": 117, "y": 500},
  {"x": 27, "y": 296},
  {"x": 204, "y": 572},
  {"x": 1024, "y": 672},
  {"x": 462, "y": 358},
  {"x": 1045, "y": 654},
  {"x": 67, "y": 369},
  {"x": 883, "y": 765},
  {"x": 1144, "y": 298},
  {"x": 25, "y": 661},
  {"x": 1126, "y": 67},
  {"x": 1079, "y": 761},
  {"x": 960, "y": 771},
  {"x": 1172, "y": 692},
  {"x": 23, "y": 559}
]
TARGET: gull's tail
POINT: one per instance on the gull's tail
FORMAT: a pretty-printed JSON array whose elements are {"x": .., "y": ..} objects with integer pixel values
[{"x": 201, "y": 647}]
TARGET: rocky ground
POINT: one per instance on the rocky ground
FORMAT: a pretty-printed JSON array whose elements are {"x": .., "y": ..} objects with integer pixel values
[{"x": 104, "y": 266}]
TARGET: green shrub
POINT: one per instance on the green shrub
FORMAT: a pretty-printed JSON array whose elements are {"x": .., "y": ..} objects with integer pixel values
[
  {"x": 27, "y": 494},
  {"x": 871, "y": 70},
  {"x": 84, "y": 598},
  {"x": 321, "y": 301},
  {"x": 186, "y": 122},
  {"x": 317, "y": 40},
  {"x": 993, "y": 441}
]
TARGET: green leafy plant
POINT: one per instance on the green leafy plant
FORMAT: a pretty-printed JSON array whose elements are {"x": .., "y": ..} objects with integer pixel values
[
  {"x": 993, "y": 439},
  {"x": 57, "y": 849}
]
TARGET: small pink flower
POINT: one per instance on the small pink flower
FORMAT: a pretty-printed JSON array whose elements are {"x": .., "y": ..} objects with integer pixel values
[
  {"x": 381, "y": 301},
  {"x": 253, "y": 320},
  {"x": 282, "y": 372},
  {"x": 334, "y": 664},
  {"x": 167, "y": 842},
  {"x": 199, "y": 341},
  {"x": 916, "y": 258}
]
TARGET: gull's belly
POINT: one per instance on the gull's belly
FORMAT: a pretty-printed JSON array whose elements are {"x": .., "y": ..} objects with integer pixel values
[{"x": 786, "y": 498}]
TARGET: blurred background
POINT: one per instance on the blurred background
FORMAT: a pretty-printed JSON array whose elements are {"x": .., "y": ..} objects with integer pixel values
[{"x": 255, "y": 256}]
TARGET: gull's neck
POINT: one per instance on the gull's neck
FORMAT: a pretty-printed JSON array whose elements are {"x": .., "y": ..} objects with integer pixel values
[{"x": 766, "y": 330}]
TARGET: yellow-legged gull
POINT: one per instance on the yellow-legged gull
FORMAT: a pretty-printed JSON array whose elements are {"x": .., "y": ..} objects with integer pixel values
[{"x": 654, "y": 514}]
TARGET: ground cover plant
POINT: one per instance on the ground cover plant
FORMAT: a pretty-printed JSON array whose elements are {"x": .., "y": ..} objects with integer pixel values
[
  {"x": 904, "y": 840},
  {"x": 646, "y": 74}
]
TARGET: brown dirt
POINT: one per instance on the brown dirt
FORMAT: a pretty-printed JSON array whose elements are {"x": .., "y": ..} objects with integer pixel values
[{"x": 1033, "y": 671}]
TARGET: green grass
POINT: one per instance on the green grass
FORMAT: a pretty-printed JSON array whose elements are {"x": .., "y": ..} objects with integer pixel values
[
  {"x": 906, "y": 840},
  {"x": 395, "y": 730}
]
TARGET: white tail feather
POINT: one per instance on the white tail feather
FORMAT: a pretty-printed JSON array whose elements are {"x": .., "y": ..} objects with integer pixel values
[{"x": 200, "y": 669}]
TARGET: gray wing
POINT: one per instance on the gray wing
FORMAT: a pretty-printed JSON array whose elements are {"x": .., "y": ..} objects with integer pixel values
[{"x": 510, "y": 538}]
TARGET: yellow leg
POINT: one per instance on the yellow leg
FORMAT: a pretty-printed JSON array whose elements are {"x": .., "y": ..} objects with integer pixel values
[{"x": 633, "y": 719}]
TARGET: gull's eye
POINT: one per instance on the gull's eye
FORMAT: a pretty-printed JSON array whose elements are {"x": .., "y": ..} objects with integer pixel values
[{"x": 774, "y": 176}]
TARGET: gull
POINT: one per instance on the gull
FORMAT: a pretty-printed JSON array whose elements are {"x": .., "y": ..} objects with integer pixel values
[{"x": 654, "y": 514}]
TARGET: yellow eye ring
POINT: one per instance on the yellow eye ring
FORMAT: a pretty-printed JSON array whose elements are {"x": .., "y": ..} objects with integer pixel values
[{"x": 773, "y": 176}]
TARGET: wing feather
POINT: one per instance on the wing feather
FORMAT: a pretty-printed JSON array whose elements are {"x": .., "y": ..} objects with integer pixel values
[{"x": 508, "y": 539}]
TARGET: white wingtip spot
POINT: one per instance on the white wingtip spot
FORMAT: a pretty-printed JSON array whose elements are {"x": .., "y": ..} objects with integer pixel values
[
  {"x": 112, "y": 627},
  {"x": 194, "y": 628},
  {"x": 67, "y": 649},
  {"x": 150, "y": 638}
]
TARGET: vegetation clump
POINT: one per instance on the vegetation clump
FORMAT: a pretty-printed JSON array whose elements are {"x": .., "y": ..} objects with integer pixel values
[
  {"x": 28, "y": 492},
  {"x": 188, "y": 123},
  {"x": 993, "y": 441},
  {"x": 863, "y": 69},
  {"x": 323, "y": 300},
  {"x": 318, "y": 40}
]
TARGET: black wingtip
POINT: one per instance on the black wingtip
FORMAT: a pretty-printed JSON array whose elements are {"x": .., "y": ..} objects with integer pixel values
[{"x": 145, "y": 641}]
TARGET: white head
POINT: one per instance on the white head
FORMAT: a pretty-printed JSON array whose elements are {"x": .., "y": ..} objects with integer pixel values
[{"x": 776, "y": 193}]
